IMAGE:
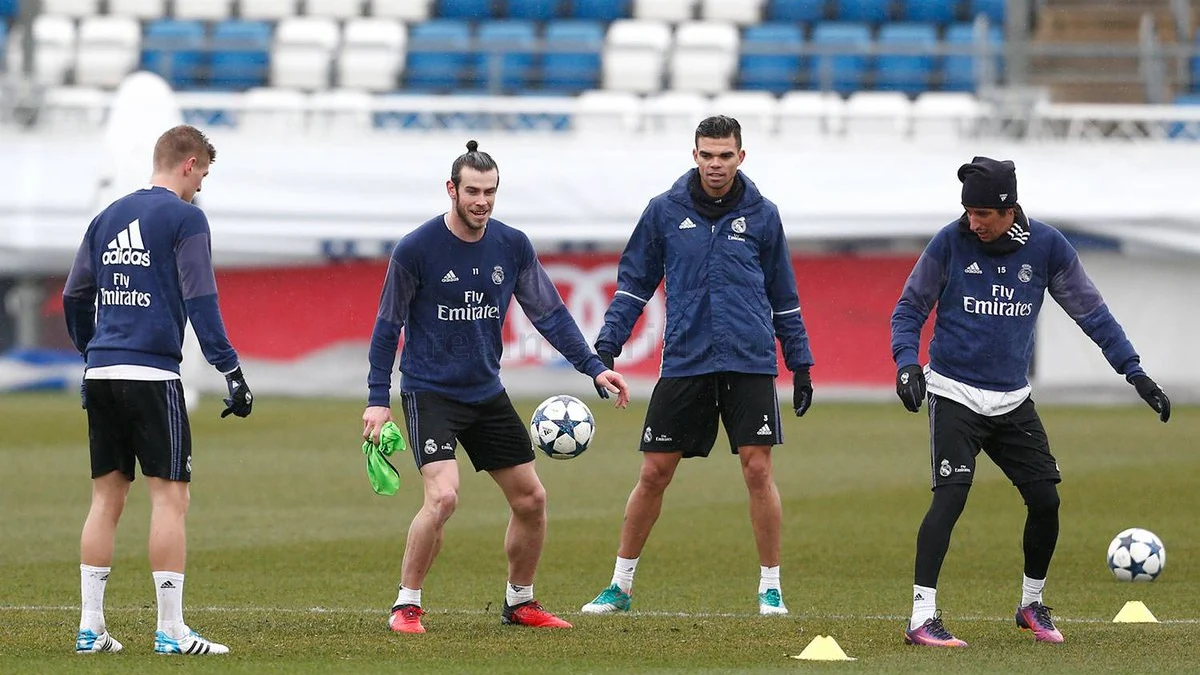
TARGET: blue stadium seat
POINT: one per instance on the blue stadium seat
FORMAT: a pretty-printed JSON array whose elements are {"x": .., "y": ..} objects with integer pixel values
[
  {"x": 843, "y": 72},
  {"x": 175, "y": 50},
  {"x": 9, "y": 8},
  {"x": 577, "y": 70},
  {"x": 960, "y": 69},
  {"x": 907, "y": 72},
  {"x": 603, "y": 10},
  {"x": 464, "y": 9},
  {"x": 773, "y": 72},
  {"x": 438, "y": 54},
  {"x": 533, "y": 10},
  {"x": 994, "y": 9},
  {"x": 510, "y": 68},
  {"x": 3, "y": 43},
  {"x": 803, "y": 11},
  {"x": 239, "y": 54},
  {"x": 1196, "y": 64},
  {"x": 866, "y": 11},
  {"x": 940, "y": 12}
]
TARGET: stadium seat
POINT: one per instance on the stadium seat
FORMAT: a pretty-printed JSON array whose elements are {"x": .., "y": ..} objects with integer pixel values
[
  {"x": 272, "y": 111},
  {"x": 239, "y": 56},
  {"x": 73, "y": 107},
  {"x": 634, "y": 55},
  {"x": 73, "y": 8},
  {"x": 940, "y": 12},
  {"x": 505, "y": 60},
  {"x": 108, "y": 49},
  {"x": 945, "y": 115},
  {"x": 962, "y": 69},
  {"x": 910, "y": 64},
  {"x": 992, "y": 9},
  {"x": 531, "y": 10},
  {"x": 705, "y": 56},
  {"x": 801, "y": 11},
  {"x": 1195, "y": 71},
  {"x": 607, "y": 112},
  {"x": 372, "y": 54},
  {"x": 470, "y": 10},
  {"x": 8, "y": 8},
  {"x": 340, "y": 111},
  {"x": 770, "y": 58},
  {"x": 865, "y": 11},
  {"x": 54, "y": 48},
  {"x": 268, "y": 10},
  {"x": 804, "y": 114},
  {"x": 438, "y": 54},
  {"x": 175, "y": 50},
  {"x": 741, "y": 12},
  {"x": 674, "y": 113},
  {"x": 842, "y": 70},
  {"x": 406, "y": 10},
  {"x": 142, "y": 9},
  {"x": 575, "y": 70},
  {"x": 602, "y": 10},
  {"x": 673, "y": 11},
  {"x": 755, "y": 111},
  {"x": 208, "y": 10},
  {"x": 303, "y": 51},
  {"x": 876, "y": 114},
  {"x": 335, "y": 9}
]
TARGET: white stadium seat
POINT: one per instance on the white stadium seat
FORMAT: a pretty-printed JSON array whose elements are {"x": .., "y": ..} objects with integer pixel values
[
  {"x": 634, "y": 55},
  {"x": 73, "y": 107},
  {"x": 54, "y": 48},
  {"x": 72, "y": 8},
  {"x": 405, "y": 10},
  {"x": 607, "y": 112},
  {"x": 340, "y": 111},
  {"x": 741, "y": 12},
  {"x": 674, "y": 113},
  {"x": 673, "y": 11},
  {"x": 209, "y": 10},
  {"x": 108, "y": 50},
  {"x": 274, "y": 111},
  {"x": 876, "y": 113},
  {"x": 302, "y": 52},
  {"x": 946, "y": 114},
  {"x": 257, "y": 10},
  {"x": 337, "y": 9},
  {"x": 755, "y": 111},
  {"x": 807, "y": 114},
  {"x": 705, "y": 56},
  {"x": 142, "y": 9},
  {"x": 372, "y": 54}
]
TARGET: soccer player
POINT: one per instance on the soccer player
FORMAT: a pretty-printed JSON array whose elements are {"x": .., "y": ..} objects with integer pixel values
[
  {"x": 143, "y": 270},
  {"x": 987, "y": 274},
  {"x": 448, "y": 286},
  {"x": 730, "y": 293}
]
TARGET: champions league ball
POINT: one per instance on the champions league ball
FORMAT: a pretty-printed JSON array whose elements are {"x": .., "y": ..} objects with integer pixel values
[
  {"x": 1136, "y": 555},
  {"x": 562, "y": 426}
]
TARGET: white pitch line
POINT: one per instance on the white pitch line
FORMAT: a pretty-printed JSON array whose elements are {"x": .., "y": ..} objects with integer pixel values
[{"x": 465, "y": 612}]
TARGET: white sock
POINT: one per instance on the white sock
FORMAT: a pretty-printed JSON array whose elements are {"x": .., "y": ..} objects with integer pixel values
[
  {"x": 768, "y": 578},
  {"x": 515, "y": 594},
  {"x": 92, "y": 581},
  {"x": 409, "y": 596},
  {"x": 1031, "y": 590},
  {"x": 169, "y": 588},
  {"x": 924, "y": 605},
  {"x": 623, "y": 573}
]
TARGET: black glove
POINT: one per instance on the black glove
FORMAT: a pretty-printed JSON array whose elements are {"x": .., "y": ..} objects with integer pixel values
[
  {"x": 607, "y": 360},
  {"x": 910, "y": 387},
  {"x": 801, "y": 391},
  {"x": 83, "y": 394},
  {"x": 1153, "y": 394},
  {"x": 240, "y": 399}
]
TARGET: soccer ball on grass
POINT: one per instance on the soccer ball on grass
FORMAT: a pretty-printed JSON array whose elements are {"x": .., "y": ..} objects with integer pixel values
[
  {"x": 562, "y": 427},
  {"x": 1136, "y": 555}
]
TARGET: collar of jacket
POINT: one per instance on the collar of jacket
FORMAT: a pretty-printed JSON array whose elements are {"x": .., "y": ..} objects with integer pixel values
[
  {"x": 680, "y": 193},
  {"x": 1009, "y": 242}
]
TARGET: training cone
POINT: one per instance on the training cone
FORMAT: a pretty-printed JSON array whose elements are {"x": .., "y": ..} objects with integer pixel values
[
  {"x": 823, "y": 648},
  {"x": 1134, "y": 611}
]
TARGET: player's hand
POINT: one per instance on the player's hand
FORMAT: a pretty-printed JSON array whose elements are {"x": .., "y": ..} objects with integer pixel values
[
  {"x": 910, "y": 387},
  {"x": 240, "y": 400},
  {"x": 1154, "y": 395},
  {"x": 607, "y": 360},
  {"x": 611, "y": 381},
  {"x": 801, "y": 391},
  {"x": 374, "y": 417}
]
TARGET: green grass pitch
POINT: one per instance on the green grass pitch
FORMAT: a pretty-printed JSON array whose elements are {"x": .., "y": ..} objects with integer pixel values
[{"x": 293, "y": 561}]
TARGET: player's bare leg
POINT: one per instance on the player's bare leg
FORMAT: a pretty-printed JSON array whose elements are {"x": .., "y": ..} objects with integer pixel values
[
  {"x": 95, "y": 557},
  {"x": 523, "y": 545},
  {"x": 425, "y": 535},
  {"x": 766, "y": 518}
]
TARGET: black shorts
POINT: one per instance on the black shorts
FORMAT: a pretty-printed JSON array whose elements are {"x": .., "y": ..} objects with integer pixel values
[
  {"x": 146, "y": 421},
  {"x": 1015, "y": 441},
  {"x": 683, "y": 413},
  {"x": 491, "y": 431}
]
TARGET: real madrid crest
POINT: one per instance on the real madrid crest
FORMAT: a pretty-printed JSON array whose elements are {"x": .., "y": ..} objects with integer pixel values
[
  {"x": 1025, "y": 273},
  {"x": 430, "y": 446},
  {"x": 739, "y": 225},
  {"x": 497, "y": 275}
]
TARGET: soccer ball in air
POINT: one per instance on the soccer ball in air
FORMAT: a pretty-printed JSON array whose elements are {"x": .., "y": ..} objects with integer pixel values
[
  {"x": 1136, "y": 555},
  {"x": 562, "y": 427}
]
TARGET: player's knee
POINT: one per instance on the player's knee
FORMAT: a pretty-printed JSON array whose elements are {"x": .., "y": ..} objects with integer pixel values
[
  {"x": 950, "y": 500},
  {"x": 656, "y": 476},
  {"x": 757, "y": 471},
  {"x": 442, "y": 503},
  {"x": 1041, "y": 497},
  {"x": 529, "y": 504}
]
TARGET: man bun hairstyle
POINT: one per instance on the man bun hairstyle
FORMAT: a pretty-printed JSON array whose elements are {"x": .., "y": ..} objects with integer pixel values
[
  {"x": 179, "y": 144},
  {"x": 475, "y": 159},
  {"x": 720, "y": 126}
]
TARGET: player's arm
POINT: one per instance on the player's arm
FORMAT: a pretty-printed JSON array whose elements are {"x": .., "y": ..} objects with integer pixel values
[
  {"x": 79, "y": 296},
  {"x": 780, "y": 281},
  {"x": 638, "y": 276},
  {"x": 399, "y": 287},
  {"x": 917, "y": 300}
]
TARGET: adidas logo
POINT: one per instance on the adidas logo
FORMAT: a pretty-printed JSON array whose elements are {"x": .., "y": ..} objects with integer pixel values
[
  {"x": 450, "y": 276},
  {"x": 127, "y": 248},
  {"x": 765, "y": 430},
  {"x": 687, "y": 224},
  {"x": 973, "y": 268},
  {"x": 918, "y": 597},
  {"x": 167, "y": 584}
]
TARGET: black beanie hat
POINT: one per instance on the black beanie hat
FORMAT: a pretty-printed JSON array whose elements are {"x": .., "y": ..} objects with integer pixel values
[{"x": 989, "y": 183}]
